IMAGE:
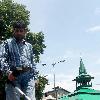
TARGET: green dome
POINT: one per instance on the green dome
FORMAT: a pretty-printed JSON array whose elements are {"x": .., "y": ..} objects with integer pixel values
[{"x": 83, "y": 94}]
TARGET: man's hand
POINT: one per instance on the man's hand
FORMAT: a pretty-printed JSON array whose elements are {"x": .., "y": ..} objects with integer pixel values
[{"x": 11, "y": 77}]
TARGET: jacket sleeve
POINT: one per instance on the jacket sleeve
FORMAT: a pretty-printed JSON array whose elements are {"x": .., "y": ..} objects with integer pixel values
[{"x": 4, "y": 66}]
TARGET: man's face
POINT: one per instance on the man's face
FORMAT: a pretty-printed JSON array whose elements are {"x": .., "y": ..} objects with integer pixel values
[{"x": 19, "y": 33}]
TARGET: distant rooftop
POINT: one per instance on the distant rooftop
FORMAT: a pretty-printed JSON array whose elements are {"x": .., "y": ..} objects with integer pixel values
[{"x": 57, "y": 88}]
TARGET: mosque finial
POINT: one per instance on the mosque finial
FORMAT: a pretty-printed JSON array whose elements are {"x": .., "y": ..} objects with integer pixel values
[{"x": 82, "y": 69}]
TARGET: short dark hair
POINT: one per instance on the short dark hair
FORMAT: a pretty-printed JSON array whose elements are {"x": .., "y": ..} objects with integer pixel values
[{"x": 19, "y": 24}]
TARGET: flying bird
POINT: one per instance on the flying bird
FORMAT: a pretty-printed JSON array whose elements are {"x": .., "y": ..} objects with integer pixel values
[
  {"x": 43, "y": 64},
  {"x": 53, "y": 64}
]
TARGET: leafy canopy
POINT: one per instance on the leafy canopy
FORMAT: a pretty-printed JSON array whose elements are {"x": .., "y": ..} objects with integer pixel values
[{"x": 9, "y": 13}]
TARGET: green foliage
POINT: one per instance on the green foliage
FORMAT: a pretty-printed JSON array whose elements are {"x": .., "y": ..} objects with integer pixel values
[
  {"x": 40, "y": 85},
  {"x": 10, "y": 12},
  {"x": 37, "y": 41}
]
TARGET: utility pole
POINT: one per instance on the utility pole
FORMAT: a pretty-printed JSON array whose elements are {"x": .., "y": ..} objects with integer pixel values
[
  {"x": 54, "y": 73},
  {"x": 54, "y": 79},
  {"x": 53, "y": 64}
]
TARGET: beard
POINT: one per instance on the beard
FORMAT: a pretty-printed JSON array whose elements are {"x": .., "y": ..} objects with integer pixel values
[{"x": 19, "y": 38}]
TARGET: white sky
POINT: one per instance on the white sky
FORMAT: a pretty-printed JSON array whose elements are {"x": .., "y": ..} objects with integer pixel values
[{"x": 71, "y": 29}]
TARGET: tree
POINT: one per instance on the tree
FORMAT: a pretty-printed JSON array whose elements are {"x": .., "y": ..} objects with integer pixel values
[
  {"x": 37, "y": 40},
  {"x": 40, "y": 85},
  {"x": 9, "y": 13}
]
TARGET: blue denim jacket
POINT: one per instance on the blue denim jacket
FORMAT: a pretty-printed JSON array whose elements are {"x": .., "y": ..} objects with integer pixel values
[{"x": 15, "y": 54}]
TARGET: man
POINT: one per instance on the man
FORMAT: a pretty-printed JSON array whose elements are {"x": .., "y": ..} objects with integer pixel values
[{"x": 16, "y": 55}]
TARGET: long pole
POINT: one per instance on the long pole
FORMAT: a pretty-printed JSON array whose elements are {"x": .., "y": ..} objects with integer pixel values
[
  {"x": 54, "y": 77},
  {"x": 54, "y": 69},
  {"x": 54, "y": 74},
  {"x": 54, "y": 80}
]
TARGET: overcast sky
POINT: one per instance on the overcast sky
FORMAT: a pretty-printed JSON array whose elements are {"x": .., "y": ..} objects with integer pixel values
[{"x": 71, "y": 29}]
